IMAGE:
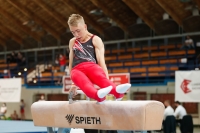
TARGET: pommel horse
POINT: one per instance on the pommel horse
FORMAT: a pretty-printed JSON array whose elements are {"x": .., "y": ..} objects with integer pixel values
[{"x": 112, "y": 115}]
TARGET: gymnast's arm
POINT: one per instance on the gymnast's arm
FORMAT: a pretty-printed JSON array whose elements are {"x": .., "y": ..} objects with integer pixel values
[
  {"x": 99, "y": 50},
  {"x": 71, "y": 54}
]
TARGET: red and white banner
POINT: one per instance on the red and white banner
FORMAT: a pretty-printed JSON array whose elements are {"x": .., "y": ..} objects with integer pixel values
[
  {"x": 187, "y": 86},
  {"x": 118, "y": 78},
  {"x": 10, "y": 90}
]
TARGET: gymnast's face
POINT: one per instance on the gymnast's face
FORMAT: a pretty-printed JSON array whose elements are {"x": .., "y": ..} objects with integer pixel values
[{"x": 79, "y": 31}]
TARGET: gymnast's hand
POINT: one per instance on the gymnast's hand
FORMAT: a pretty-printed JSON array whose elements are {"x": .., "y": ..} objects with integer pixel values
[{"x": 73, "y": 90}]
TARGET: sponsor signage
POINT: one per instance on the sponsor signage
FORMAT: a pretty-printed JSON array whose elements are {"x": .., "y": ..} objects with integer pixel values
[
  {"x": 116, "y": 78},
  {"x": 10, "y": 90},
  {"x": 82, "y": 120},
  {"x": 187, "y": 86}
]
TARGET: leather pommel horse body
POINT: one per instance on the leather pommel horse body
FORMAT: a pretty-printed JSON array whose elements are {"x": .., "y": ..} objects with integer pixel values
[{"x": 112, "y": 115}]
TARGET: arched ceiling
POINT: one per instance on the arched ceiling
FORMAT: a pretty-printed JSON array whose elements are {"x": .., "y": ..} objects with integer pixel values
[{"x": 26, "y": 23}]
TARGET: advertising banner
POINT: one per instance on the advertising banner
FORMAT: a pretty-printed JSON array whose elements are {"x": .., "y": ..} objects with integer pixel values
[
  {"x": 117, "y": 78},
  {"x": 10, "y": 90},
  {"x": 187, "y": 86}
]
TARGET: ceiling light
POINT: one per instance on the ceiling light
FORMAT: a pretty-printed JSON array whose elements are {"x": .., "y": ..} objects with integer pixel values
[
  {"x": 104, "y": 19},
  {"x": 29, "y": 23},
  {"x": 96, "y": 12},
  {"x": 19, "y": 73}
]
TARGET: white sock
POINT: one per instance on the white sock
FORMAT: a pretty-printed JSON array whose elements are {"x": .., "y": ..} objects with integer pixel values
[
  {"x": 102, "y": 102},
  {"x": 123, "y": 88},
  {"x": 104, "y": 91},
  {"x": 119, "y": 99}
]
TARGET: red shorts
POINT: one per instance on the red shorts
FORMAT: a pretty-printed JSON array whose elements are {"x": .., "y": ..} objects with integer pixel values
[
  {"x": 22, "y": 111},
  {"x": 86, "y": 74}
]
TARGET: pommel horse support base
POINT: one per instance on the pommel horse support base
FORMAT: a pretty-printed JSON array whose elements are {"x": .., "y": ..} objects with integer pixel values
[{"x": 112, "y": 115}]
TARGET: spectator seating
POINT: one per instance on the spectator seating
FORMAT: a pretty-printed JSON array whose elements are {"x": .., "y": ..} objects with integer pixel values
[
  {"x": 147, "y": 63},
  {"x": 2, "y": 61},
  {"x": 6, "y": 66},
  {"x": 49, "y": 76},
  {"x": 143, "y": 63}
]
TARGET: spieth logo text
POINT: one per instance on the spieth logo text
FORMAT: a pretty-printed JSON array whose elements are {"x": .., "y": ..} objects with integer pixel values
[
  {"x": 69, "y": 118},
  {"x": 83, "y": 120}
]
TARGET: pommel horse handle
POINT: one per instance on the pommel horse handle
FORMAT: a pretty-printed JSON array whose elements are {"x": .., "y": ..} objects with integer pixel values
[{"x": 70, "y": 97}]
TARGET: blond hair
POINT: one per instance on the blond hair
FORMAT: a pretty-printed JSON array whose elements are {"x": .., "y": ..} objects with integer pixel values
[{"x": 74, "y": 19}]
